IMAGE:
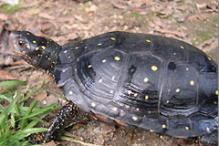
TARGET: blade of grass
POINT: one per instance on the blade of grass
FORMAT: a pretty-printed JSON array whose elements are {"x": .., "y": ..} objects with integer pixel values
[
  {"x": 29, "y": 111},
  {"x": 77, "y": 141},
  {"x": 42, "y": 111},
  {"x": 28, "y": 131},
  {"x": 2, "y": 118},
  {"x": 10, "y": 85},
  {"x": 3, "y": 97},
  {"x": 33, "y": 123},
  {"x": 12, "y": 120},
  {"x": 11, "y": 115}
]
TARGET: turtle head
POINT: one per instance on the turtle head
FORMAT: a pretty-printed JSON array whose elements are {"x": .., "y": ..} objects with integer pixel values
[{"x": 38, "y": 51}]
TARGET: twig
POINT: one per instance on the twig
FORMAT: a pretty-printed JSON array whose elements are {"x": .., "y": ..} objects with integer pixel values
[{"x": 77, "y": 141}]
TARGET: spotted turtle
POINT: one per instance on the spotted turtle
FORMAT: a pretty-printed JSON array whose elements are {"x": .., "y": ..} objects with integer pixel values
[{"x": 139, "y": 80}]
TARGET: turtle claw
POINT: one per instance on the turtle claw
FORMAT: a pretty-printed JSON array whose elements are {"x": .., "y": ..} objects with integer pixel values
[
  {"x": 59, "y": 123},
  {"x": 38, "y": 138}
]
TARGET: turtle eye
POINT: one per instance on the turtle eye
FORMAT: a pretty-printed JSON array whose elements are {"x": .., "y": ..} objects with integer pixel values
[{"x": 21, "y": 43}]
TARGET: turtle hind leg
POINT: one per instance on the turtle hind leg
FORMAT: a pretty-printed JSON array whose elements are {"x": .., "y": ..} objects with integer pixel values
[
  {"x": 210, "y": 139},
  {"x": 68, "y": 114}
]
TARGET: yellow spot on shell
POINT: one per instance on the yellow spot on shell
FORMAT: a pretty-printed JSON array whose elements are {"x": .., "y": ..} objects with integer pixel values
[
  {"x": 113, "y": 38},
  {"x": 177, "y": 90},
  {"x": 164, "y": 126},
  {"x": 43, "y": 47},
  {"x": 34, "y": 42},
  {"x": 129, "y": 92},
  {"x": 117, "y": 58},
  {"x": 115, "y": 109},
  {"x": 154, "y": 68},
  {"x": 182, "y": 47},
  {"x": 104, "y": 60},
  {"x": 148, "y": 41},
  {"x": 99, "y": 44},
  {"x": 146, "y": 79},
  {"x": 37, "y": 48},
  {"x": 146, "y": 97},
  {"x": 216, "y": 92},
  {"x": 134, "y": 118},
  {"x": 192, "y": 83},
  {"x": 70, "y": 92},
  {"x": 100, "y": 80},
  {"x": 93, "y": 104},
  {"x": 187, "y": 128}
]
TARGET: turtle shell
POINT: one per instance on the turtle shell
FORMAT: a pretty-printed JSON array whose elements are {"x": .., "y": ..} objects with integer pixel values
[{"x": 147, "y": 81}]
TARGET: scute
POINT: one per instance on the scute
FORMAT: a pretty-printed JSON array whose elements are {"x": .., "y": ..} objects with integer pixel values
[
  {"x": 147, "y": 81},
  {"x": 179, "y": 93}
]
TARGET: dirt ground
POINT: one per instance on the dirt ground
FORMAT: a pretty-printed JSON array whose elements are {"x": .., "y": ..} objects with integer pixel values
[{"x": 194, "y": 21}]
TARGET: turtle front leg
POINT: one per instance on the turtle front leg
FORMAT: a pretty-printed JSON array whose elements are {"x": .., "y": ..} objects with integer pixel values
[{"x": 68, "y": 114}]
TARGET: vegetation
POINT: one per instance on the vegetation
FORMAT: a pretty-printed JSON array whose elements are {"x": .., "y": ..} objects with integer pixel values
[
  {"x": 9, "y": 9},
  {"x": 19, "y": 116}
]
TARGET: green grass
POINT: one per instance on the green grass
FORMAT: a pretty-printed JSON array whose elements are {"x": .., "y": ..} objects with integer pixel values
[
  {"x": 9, "y": 9},
  {"x": 19, "y": 116},
  {"x": 202, "y": 31},
  {"x": 138, "y": 17}
]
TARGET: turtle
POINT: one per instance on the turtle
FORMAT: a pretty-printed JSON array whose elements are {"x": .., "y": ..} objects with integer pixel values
[{"x": 139, "y": 80}]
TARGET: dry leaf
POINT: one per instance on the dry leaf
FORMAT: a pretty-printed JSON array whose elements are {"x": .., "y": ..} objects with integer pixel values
[
  {"x": 119, "y": 4},
  {"x": 41, "y": 96},
  {"x": 5, "y": 75},
  {"x": 51, "y": 143},
  {"x": 3, "y": 17},
  {"x": 91, "y": 9},
  {"x": 47, "y": 16}
]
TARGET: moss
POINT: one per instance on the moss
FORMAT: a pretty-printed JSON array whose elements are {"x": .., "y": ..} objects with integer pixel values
[
  {"x": 9, "y": 9},
  {"x": 141, "y": 20},
  {"x": 202, "y": 36},
  {"x": 136, "y": 15},
  {"x": 204, "y": 31}
]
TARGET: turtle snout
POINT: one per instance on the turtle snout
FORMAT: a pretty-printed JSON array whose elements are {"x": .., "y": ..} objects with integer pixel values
[
  {"x": 13, "y": 39},
  {"x": 14, "y": 35}
]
